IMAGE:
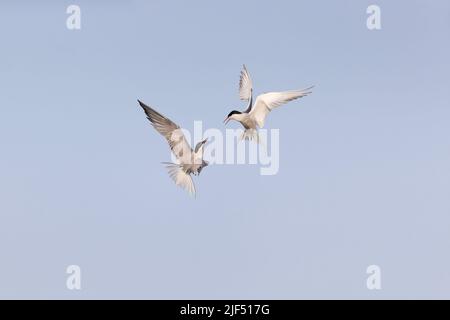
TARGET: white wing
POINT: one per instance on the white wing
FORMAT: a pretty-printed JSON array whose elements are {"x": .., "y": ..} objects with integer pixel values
[
  {"x": 181, "y": 178},
  {"x": 268, "y": 101},
  {"x": 171, "y": 131},
  {"x": 245, "y": 85}
]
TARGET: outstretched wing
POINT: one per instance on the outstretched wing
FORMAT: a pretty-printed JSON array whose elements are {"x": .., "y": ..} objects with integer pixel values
[
  {"x": 246, "y": 88},
  {"x": 169, "y": 130},
  {"x": 269, "y": 101}
]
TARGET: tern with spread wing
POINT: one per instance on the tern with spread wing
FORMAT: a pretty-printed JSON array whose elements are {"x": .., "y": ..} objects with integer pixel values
[
  {"x": 188, "y": 161},
  {"x": 255, "y": 114}
]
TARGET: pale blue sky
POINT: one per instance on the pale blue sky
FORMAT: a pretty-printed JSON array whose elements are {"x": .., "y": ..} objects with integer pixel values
[{"x": 364, "y": 175}]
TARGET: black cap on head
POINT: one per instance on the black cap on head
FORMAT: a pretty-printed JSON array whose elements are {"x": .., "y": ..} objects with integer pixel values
[{"x": 234, "y": 112}]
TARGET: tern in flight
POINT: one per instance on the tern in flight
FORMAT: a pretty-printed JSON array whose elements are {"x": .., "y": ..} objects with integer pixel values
[
  {"x": 255, "y": 114},
  {"x": 188, "y": 161}
]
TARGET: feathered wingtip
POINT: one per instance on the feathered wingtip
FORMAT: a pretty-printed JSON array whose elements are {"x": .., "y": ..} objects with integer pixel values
[
  {"x": 308, "y": 90},
  {"x": 143, "y": 105}
]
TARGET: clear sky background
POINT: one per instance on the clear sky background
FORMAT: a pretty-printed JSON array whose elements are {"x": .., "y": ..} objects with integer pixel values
[{"x": 364, "y": 175}]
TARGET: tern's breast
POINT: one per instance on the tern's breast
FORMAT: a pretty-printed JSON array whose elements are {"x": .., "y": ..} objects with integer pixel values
[{"x": 249, "y": 123}]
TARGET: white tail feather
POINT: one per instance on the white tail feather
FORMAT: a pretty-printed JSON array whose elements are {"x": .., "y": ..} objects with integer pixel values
[{"x": 250, "y": 135}]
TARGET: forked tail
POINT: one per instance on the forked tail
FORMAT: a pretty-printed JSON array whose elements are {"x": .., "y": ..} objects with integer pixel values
[
  {"x": 253, "y": 135},
  {"x": 250, "y": 135}
]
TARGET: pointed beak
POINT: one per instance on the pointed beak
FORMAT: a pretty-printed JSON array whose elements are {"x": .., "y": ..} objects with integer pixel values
[
  {"x": 205, "y": 141},
  {"x": 227, "y": 119}
]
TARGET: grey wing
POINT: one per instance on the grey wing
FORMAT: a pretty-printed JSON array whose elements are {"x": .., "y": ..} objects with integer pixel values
[
  {"x": 268, "y": 101},
  {"x": 169, "y": 130},
  {"x": 246, "y": 88}
]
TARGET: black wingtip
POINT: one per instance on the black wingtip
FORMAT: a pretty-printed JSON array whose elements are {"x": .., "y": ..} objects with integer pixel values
[{"x": 143, "y": 106}]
